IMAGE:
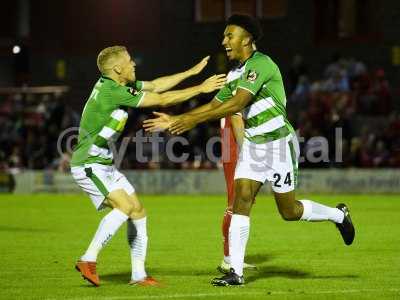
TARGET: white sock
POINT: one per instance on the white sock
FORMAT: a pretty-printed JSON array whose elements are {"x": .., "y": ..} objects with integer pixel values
[
  {"x": 238, "y": 236},
  {"x": 107, "y": 228},
  {"x": 313, "y": 211},
  {"x": 227, "y": 259},
  {"x": 137, "y": 239}
]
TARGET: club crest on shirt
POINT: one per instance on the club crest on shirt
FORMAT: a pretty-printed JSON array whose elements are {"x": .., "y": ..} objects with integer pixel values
[
  {"x": 133, "y": 91},
  {"x": 252, "y": 76}
]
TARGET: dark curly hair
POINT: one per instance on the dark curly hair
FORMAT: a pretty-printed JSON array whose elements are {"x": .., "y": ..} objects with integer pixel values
[{"x": 248, "y": 23}]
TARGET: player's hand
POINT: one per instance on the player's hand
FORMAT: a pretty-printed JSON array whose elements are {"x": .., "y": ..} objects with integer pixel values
[
  {"x": 213, "y": 83},
  {"x": 158, "y": 124},
  {"x": 182, "y": 123},
  {"x": 200, "y": 66}
]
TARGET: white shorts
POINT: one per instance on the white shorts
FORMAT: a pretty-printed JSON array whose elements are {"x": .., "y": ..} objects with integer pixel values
[
  {"x": 275, "y": 161},
  {"x": 99, "y": 180}
]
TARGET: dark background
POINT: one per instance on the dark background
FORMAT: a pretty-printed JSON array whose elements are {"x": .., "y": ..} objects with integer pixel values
[{"x": 165, "y": 37}]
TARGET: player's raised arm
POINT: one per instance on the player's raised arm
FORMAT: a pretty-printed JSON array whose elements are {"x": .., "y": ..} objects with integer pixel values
[
  {"x": 173, "y": 97},
  {"x": 165, "y": 83}
]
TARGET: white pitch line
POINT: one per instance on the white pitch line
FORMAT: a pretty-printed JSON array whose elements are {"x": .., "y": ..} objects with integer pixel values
[{"x": 237, "y": 294}]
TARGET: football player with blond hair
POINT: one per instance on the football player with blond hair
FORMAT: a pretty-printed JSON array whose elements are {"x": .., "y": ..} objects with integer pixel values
[{"x": 103, "y": 119}]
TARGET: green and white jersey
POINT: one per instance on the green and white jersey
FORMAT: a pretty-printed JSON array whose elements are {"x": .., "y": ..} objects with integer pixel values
[
  {"x": 265, "y": 117},
  {"x": 103, "y": 120}
]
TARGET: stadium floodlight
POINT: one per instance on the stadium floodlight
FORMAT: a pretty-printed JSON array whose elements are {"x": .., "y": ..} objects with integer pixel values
[{"x": 16, "y": 49}]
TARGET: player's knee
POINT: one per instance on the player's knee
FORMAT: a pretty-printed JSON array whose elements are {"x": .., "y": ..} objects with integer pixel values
[
  {"x": 126, "y": 208},
  {"x": 289, "y": 214},
  {"x": 119, "y": 199},
  {"x": 244, "y": 195},
  {"x": 138, "y": 210},
  {"x": 243, "y": 202},
  {"x": 138, "y": 213},
  {"x": 123, "y": 205}
]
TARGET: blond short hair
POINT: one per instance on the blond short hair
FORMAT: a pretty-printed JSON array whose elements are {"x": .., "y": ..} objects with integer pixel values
[{"x": 106, "y": 57}]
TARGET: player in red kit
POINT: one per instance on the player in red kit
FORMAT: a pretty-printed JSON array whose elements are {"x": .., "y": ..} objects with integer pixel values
[{"x": 232, "y": 129}]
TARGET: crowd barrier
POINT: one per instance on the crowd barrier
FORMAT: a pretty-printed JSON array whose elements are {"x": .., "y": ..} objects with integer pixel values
[{"x": 332, "y": 181}]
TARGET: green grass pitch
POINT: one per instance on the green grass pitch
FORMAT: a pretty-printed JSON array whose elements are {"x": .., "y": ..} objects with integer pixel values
[{"x": 43, "y": 235}]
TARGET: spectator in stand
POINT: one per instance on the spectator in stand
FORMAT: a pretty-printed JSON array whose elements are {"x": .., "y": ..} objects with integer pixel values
[
  {"x": 61, "y": 164},
  {"x": 338, "y": 82},
  {"x": 381, "y": 91},
  {"x": 356, "y": 69},
  {"x": 381, "y": 155}
]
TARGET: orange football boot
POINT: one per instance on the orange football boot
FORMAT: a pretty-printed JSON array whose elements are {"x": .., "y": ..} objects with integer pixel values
[
  {"x": 88, "y": 271},
  {"x": 148, "y": 281}
]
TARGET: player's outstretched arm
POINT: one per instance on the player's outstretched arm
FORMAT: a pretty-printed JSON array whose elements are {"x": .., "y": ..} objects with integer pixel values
[
  {"x": 163, "y": 121},
  {"x": 173, "y": 97},
  {"x": 165, "y": 83},
  {"x": 189, "y": 120}
]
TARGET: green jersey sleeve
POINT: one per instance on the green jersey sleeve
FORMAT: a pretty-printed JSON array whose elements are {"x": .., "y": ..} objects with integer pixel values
[
  {"x": 257, "y": 72},
  {"x": 224, "y": 94},
  {"x": 138, "y": 85},
  {"x": 127, "y": 96}
]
